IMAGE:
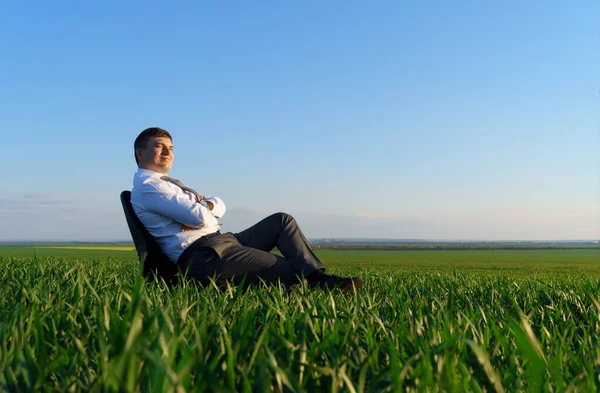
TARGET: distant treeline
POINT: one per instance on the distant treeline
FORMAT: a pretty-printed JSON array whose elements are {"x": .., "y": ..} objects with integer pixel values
[{"x": 455, "y": 246}]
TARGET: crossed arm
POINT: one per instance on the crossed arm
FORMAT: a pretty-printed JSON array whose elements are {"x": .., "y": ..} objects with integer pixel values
[{"x": 179, "y": 207}]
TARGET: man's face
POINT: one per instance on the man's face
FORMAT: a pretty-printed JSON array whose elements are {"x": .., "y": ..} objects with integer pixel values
[{"x": 157, "y": 156}]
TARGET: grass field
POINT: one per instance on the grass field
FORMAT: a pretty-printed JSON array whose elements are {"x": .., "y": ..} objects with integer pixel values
[{"x": 504, "y": 320}]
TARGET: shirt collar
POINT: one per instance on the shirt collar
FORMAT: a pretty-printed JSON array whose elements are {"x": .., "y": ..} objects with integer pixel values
[{"x": 149, "y": 173}]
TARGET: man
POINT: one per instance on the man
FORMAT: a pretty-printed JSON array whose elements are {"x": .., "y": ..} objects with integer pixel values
[{"x": 184, "y": 224}]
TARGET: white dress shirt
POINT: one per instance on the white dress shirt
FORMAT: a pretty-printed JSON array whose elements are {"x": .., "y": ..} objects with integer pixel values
[{"x": 172, "y": 215}]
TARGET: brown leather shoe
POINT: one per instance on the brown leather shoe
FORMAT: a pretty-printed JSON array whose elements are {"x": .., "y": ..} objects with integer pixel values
[{"x": 352, "y": 284}]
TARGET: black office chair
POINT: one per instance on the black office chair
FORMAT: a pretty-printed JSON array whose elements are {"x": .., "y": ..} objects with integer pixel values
[{"x": 154, "y": 262}]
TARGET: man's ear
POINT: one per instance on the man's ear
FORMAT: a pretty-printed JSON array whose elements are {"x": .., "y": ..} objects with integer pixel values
[{"x": 139, "y": 153}]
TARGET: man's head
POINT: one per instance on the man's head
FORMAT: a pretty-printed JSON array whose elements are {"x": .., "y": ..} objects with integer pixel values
[{"x": 153, "y": 150}]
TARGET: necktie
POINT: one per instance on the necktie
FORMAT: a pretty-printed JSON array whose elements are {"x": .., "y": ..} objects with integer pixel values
[{"x": 199, "y": 197}]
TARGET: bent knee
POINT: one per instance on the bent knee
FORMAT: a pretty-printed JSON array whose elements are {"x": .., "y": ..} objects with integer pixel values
[{"x": 284, "y": 217}]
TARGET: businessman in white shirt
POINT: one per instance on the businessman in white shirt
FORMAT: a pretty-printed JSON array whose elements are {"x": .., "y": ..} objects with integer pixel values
[{"x": 185, "y": 226}]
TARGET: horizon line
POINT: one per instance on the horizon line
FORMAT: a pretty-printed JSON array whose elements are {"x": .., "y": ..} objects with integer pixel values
[{"x": 322, "y": 239}]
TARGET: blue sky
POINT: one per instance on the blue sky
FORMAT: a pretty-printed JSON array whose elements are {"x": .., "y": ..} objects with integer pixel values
[{"x": 462, "y": 120}]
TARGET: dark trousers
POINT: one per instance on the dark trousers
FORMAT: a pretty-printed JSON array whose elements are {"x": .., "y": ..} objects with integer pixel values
[{"x": 247, "y": 254}]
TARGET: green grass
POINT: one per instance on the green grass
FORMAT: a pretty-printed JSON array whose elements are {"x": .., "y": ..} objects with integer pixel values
[{"x": 424, "y": 321}]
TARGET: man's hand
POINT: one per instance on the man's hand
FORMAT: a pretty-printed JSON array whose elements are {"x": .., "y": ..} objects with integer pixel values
[
  {"x": 185, "y": 228},
  {"x": 202, "y": 198},
  {"x": 209, "y": 204}
]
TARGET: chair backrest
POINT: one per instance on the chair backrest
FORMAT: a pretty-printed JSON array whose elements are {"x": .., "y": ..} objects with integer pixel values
[{"x": 154, "y": 261}]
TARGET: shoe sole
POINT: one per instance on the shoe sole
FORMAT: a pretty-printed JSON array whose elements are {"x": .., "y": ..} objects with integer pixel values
[{"x": 354, "y": 284}]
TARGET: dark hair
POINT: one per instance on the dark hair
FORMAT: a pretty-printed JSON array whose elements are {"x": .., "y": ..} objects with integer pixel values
[{"x": 141, "y": 142}]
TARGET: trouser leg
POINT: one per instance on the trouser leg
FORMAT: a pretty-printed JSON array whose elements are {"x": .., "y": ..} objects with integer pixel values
[
  {"x": 282, "y": 231},
  {"x": 239, "y": 263}
]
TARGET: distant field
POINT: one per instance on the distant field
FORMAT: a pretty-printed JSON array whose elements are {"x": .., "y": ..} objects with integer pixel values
[
  {"x": 506, "y": 262},
  {"x": 505, "y": 320},
  {"x": 103, "y": 248},
  {"x": 67, "y": 250},
  {"x": 26, "y": 248},
  {"x": 573, "y": 261}
]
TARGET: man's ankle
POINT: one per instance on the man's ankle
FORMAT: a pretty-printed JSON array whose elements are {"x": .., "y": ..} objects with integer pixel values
[{"x": 316, "y": 275}]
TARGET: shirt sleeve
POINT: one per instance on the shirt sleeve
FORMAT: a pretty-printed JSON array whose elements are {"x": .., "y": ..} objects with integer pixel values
[
  {"x": 160, "y": 199},
  {"x": 219, "y": 208}
]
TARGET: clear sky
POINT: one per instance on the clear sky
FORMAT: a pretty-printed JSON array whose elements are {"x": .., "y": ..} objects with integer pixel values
[{"x": 431, "y": 120}]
